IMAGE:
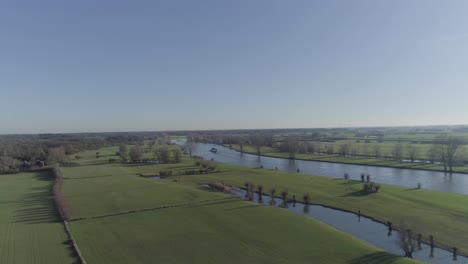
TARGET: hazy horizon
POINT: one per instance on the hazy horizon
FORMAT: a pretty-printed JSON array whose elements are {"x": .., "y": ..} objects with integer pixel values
[{"x": 117, "y": 66}]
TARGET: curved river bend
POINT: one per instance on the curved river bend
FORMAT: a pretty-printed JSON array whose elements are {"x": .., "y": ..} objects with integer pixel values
[
  {"x": 364, "y": 228},
  {"x": 432, "y": 180}
]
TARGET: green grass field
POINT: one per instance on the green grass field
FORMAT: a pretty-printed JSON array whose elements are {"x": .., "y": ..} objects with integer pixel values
[
  {"x": 233, "y": 231},
  {"x": 30, "y": 230},
  {"x": 202, "y": 227},
  {"x": 426, "y": 212}
]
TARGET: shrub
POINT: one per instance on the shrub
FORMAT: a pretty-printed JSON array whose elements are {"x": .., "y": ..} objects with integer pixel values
[
  {"x": 370, "y": 187},
  {"x": 111, "y": 160},
  {"x": 306, "y": 198},
  {"x": 165, "y": 173}
]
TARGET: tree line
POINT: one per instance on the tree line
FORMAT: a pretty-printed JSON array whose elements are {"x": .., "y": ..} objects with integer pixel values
[{"x": 444, "y": 149}]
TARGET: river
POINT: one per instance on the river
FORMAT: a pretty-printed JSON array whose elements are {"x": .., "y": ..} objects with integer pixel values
[{"x": 432, "y": 180}]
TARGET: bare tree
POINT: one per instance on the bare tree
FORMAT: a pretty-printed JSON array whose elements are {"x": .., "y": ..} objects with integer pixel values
[
  {"x": 177, "y": 155},
  {"x": 344, "y": 148},
  {"x": 412, "y": 152},
  {"x": 432, "y": 153},
  {"x": 447, "y": 149},
  {"x": 406, "y": 240},
  {"x": 257, "y": 141},
  {"x": 291, "y": 145},
  {"x": 241, "y": 140},
  {"x": 56, "y": 155},
  {"x": 376, "y": 151},
  {"x": 123, "y": 152},
  {"x": 190, "y": 145},
  {"x": 164, "y": 154},
  {"x": 397, "y": 151},
  {"x": 135, "y": 153}
]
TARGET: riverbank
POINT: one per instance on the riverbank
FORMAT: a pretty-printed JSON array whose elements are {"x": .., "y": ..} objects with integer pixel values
[
  {"x": 274, "y": 153},
  {"x": 426, "y": 212}
]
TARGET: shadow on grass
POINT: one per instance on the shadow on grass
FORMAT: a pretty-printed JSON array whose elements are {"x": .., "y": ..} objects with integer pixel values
[
  {"x": 412, "y": 189},
  {"x": 88, "y": 177},
  {"x": 377, "y": 258},
  {"x": 244, "y": 207},
  {"x": 355, "y": 194},
  {"x": 37, "y": 205}
]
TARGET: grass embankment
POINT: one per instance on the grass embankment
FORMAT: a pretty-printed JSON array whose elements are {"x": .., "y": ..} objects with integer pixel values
[
  {"x": 30, "y": 228},
  {"x": 273, "y": 152},
  {"x": 443, "y": 215},
  {"x": 208, "y": 230}
]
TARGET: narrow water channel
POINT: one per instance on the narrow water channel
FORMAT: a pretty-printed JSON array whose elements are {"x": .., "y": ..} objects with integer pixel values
[
  {"x": 432, "y": 180},
  {"x": 373, "y": 232}
]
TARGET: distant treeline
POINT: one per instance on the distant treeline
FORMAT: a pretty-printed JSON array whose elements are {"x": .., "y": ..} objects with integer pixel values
[{"x": 19, "y": 153}]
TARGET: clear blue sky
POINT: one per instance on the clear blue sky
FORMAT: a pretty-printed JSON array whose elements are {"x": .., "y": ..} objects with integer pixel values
[{"x": 74, "y": 66}]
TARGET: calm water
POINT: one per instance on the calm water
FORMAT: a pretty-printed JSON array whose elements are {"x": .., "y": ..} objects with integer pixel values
[
  {"x": 445, "y": 182},
  {"x": 373, "y": 232}
]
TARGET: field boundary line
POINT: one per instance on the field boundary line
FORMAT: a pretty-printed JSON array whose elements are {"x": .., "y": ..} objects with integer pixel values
[
  {"x": 153, "y": 208},
  {"x": 56, "y": 190}
]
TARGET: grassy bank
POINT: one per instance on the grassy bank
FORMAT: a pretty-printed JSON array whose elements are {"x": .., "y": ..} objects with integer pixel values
[
  {"x": 30, "y": 229},
  {"x": 273, "y": 152},
  {"x": 222, "y": 232},
  {"x": 200, "y": 227}
]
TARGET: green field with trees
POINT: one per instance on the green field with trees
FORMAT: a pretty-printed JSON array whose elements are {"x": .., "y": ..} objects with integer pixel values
[
  {"x": 118, "y": 213},
  {"x": 175, "y": 221}
]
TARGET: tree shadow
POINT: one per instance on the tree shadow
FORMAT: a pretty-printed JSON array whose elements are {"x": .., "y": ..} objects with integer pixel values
[
  {"x": 37, "y": 204},
  {"x": 355, "y": 194},
  {"x": 89, "y": 177},
  {"x": 377, "y": 258}
]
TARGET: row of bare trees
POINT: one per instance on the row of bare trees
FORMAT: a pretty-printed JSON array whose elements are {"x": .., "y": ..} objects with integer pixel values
[{"x": 445, "y": 149}]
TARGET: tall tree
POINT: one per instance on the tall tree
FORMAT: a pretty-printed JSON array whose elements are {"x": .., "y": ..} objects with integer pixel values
[
  {"x": 344, "y": 148},
  {"x": 190, "y": 145},
  {"x": 164, "y": 154},
  {"x": 123, "y": 152},
  {"x": 412, "y": 151},
  {"x": 177, "y": 155},
  {"x": 376, "y": 151},
  {"x": 291, "y": 143},
  {"x": 257, "y": 141},
  {"x": 406, "y": 241},
  {"x": 135, "y": 153},
  {"x": 397, "y": 151},
  {"x": 240, "y": 140},
  {"x": 56, "y": 155},
  {"x": 447, "y": 149}
]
